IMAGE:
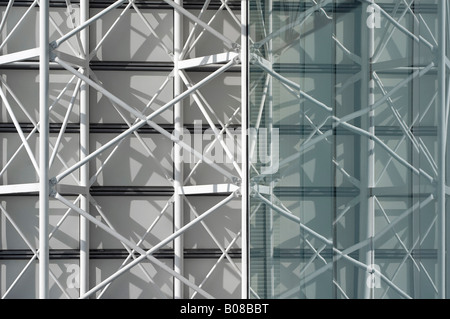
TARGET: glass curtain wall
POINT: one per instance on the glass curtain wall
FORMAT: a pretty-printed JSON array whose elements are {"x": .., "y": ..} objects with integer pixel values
[{"x": 348, "y": 117}]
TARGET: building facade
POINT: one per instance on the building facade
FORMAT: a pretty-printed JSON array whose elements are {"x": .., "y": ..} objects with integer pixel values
[{"x": 224, "y": 149}]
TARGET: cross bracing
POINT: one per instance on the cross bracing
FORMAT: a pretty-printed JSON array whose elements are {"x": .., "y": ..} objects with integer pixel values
[
  {"x": 76, "y": 166},
  {"x": 77, "y": 37},
  {"x": 353, "y": 199}
]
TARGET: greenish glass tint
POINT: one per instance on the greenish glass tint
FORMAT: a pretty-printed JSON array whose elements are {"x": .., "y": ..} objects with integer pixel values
[{"x": 346, "y": 138}]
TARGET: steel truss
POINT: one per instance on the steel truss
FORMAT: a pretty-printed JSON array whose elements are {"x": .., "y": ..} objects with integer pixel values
[
  {"x": 78, "y": 63},
  {"x": 72, "y": 51},
  {"x": 429, "y": 175}
]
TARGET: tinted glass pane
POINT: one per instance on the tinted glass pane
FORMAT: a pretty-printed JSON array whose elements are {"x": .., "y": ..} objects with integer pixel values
[{"x": 345, "y": 116}]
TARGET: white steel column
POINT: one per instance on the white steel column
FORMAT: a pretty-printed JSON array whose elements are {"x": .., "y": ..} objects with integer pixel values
[
  {"x": 178, "y": 158},
  {"x": 442, "y": 132},
  {"x": 269, "y": 125},
  {"x": 244, "y": 150},
  {"x": 84, "y": 151},
  {"x": 43, "y": 149},
  {"x": 367, "y": 145}
]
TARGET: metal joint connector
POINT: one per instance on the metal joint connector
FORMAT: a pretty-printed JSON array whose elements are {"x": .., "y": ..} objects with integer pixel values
[
  {"x": 236, "y": 181},
  {"x": 52, "y": 187},
  {"x": 253, "y": 58},
  {"x": 53, "y": 45},
  {"x": 52, "y": 56},
  {"x": 236, "y": 47}
]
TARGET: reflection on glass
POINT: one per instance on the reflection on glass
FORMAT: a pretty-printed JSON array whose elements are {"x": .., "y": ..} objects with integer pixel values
[{"x": 346, "y": 144}]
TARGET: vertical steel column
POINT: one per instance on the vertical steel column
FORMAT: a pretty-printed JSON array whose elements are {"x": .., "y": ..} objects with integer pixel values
[
  {"x": 270, "y": 265},
  {"x": 43, "y": 149},
  {"x": 269, "y": 126},
  {"x": 178, "y": 158},
  {"x": 84, "y": 151},
  {"x": 442, "y": 131},
  {"x": 244, "y": 150},
  {"x": 367, "y": 145}
]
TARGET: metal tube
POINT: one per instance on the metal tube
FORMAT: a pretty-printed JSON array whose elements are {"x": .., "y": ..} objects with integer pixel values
[
  {"x": 224, "y": 254},
  {"x": 381, "y": 101},
  {"x": 214, "y": 238},
  {"x": 270, "y": 257},
  {"x": 244, "y": 150},
  {"x": 149, "y": 27},
  {"x": 141, "y": 122},
  {"x": 16, "y": 26},
  {"x": 211, "y": 145},
  {"x": 218, "y": 136},
  {"x": 345, "y": 253},
  {"x": 19, "y": 131},
  {"x": 367, "y": 207},
  {"x": 5, "y": 15},
  {"x": 441, "y": 152},
  {"x": 206, "y": 26},
  {"x": 178, "y": 242},
  {"x": 65, "y": 122},
  {"x": 190, "y": 46},
  {"x": 85, "y": 24},
  {"x": 43, "y": 149},
  {"x": 11, "y": 159},
  {"x": 300, "y": 19},
  {"x": 192, "y": 33},
  {"x": 141, "y": 240},
  {"x": 84, "y": 151},
  {"x": 107, "y": 33},
  {"x": 144, "y": 254}
]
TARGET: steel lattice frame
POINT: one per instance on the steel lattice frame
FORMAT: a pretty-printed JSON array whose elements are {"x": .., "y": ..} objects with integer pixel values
[{"x": 78, "y": 64}]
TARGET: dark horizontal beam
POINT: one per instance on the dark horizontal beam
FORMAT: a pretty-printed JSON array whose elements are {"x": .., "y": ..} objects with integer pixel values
[
  {"x": 131, "y": 66},
  {"x": 311, "y": 191},
  {"x": 119, "y": 128},
  {"x": 135, "y": 66},
  {"x": 155, "y": 66},
  {"x": 141, "y": 191},
  {"x": 152, "y": 66},
  {"x": 301, "y": 253},
  {"x": 388, "y": 131},
  {"x": 128, "y": 191},
  {"x": 301, "y": 69},
  {"x": 210, "y": 253},
  {"x": 341, "y": 191},
  {"x": 284, "y": 130},
  {"x": 280, "y": 191},
  {"x": 131, "y": 191},
  {"x": 104, "y": 128}
]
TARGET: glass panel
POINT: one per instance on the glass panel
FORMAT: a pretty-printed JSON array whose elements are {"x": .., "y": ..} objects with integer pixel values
[{"x": 345, "y": 140}]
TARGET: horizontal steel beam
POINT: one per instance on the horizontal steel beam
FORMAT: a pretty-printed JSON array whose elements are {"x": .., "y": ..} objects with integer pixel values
[
  {"x": 291, "y": 130},
  {"x": 327, "y": 253},
  {"x": 19, "y": 56},
  {"x": 15, "y": 189},
  {"x": 65, "y": 254}
]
